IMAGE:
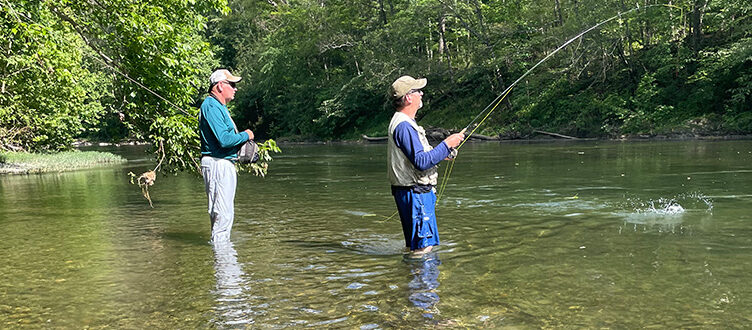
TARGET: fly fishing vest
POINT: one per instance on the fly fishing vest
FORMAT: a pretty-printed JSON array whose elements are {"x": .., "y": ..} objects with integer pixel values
[{"x": 401, "y": 170}]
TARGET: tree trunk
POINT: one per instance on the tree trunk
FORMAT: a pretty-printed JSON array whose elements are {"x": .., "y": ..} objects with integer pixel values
[
  {"x": 622, "y": 51},
  {"x": 429, "y": 52},
  {"x": 5, "y": 68},
  {"x": 671, "y": 18},
  {"x": 382, "y": 12},
  {"x": 503, "y": 86},
  {"x": 628, "y": 32},
  {"x": 557, "y": 13},
  {"x": 481, "y": 36},
  {"x": 575, "y": 8},
  {"x": 442, "y": 44},
  {"x": 605, "y": 63},
  {"x": 698, "y": 7},
  {"x": 483, "y": 26}
]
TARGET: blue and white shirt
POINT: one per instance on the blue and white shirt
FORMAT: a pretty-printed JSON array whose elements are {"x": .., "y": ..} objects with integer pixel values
[{"x": 410, "y": 158}]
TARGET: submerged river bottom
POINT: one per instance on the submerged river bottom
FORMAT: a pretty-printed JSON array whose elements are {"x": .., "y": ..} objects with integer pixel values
[{"x": 593, "y": 234}]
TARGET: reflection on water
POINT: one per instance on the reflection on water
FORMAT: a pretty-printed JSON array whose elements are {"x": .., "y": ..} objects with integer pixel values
[
  {"x": 231, "y": 287},
  {"x": 423, "y": 287},
  {"x": 575, "y": 235}
]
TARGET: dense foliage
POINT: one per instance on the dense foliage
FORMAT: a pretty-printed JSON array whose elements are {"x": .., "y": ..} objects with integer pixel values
[
  {"x": 45, "y": 96},
  {"x": 66, "y": 68},
  {"x": 321, "y": 68}
]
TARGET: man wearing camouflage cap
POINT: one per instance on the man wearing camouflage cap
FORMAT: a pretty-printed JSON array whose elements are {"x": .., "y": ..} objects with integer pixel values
[{"x": 411, "y": 163}]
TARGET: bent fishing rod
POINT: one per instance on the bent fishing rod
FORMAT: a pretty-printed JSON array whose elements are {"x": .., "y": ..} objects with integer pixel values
[{"x": 495, "y": 103}]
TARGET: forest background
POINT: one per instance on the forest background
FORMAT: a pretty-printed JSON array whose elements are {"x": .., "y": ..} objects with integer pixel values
[{"x": 321, "y": 69}]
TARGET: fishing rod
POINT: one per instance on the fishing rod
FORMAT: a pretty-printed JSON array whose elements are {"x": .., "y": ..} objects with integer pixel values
[
  {"x": 506, "y": 91},
  {"x": 495, "y": 103}
]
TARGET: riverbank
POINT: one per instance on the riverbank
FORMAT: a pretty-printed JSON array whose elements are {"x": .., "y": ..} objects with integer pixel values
[
  {"x": 86, "y": 143},
  {"x": 438, "y": 134},
  {"x": 28, "y": 163}
]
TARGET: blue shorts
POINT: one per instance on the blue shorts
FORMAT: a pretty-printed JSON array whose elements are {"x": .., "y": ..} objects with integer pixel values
[{"x": 418, "y": 216}]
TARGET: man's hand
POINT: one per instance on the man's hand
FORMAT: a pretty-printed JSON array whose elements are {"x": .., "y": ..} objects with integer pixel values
[
  {"x": 455, "y": 139},
  {"x": 250, "y": 134}
]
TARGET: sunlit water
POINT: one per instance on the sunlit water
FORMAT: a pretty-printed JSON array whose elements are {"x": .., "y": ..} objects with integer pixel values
[{"x": 594, "y": 234}]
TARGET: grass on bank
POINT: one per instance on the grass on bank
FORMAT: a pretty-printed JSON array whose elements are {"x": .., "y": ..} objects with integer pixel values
[{"x": 25, "y": 163}]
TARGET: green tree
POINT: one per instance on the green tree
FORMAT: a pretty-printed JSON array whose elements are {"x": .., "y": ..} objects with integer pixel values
[
  {"x": 146, "y": 62},
  {"x": 48, "y": 95}
]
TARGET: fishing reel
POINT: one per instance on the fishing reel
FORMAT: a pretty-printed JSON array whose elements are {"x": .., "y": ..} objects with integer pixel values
[{"x": 452, "y": 153}]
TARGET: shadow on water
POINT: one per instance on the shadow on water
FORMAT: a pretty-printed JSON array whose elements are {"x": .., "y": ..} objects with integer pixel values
[
  {"x": 326, "y": 246},
  {"x": 376, "y": 246},
  {"x": 423, "y": 288},
  {"x": 192, "y": 238}
]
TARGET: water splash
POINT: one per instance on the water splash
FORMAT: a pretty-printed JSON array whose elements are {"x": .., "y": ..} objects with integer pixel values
[
  {"x": 666, "y": 213},
  {"x": 676, "y": 205},
  {"x": 662, "y": 206}
]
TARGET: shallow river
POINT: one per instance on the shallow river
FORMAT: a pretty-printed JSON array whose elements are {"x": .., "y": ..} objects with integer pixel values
[{"x": 593, "y": 234}]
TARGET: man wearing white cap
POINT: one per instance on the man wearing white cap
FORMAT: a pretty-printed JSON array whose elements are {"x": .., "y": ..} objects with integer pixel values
[
  {"x": 411, "y": 163},
  {"x": 220, "y": 141}
]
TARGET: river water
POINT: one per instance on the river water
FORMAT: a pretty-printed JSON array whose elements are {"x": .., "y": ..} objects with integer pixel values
[{"x": 591, "y": 234}]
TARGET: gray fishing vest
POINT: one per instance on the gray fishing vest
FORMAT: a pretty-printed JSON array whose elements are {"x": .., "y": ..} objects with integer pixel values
[{"x": 401, "y": 170}]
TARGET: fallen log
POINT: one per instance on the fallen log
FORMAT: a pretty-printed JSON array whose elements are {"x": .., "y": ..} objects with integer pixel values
[
  {"x": 436, "y": 137},
  {"x": 556, "y": 134},
  {"x": 374, "y": 139}
]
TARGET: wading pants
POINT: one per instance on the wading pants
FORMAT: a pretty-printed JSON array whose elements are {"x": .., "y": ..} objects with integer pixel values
[
  {"x": 418, "y": 216},
  {"x": 220, "y": 179}
]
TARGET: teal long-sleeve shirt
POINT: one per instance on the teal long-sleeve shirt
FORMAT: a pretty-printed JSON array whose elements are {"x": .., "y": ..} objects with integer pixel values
[{"x": 219, "y": 137}]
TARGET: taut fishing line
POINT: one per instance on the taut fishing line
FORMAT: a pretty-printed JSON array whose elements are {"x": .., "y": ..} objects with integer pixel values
[
  {"x": 495, "y": 103},
  {"x": 142, "y": 86}
]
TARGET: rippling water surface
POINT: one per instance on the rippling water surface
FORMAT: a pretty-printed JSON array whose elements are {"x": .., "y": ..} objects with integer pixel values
[{"x": 594, "y": 234}]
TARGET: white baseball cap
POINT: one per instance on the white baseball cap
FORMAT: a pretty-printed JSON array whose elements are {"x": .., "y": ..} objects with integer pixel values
[{"x": 222, "y": 75}]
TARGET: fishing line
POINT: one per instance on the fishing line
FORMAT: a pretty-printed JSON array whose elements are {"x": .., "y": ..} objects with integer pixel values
[
  {"x": 503, "y": 95},
  {"x": 107, "y": 65},
  {"x": 141, "y": 85},
  {"x": 448, "y": 170},
  {"x": 390, "y": 217}
]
